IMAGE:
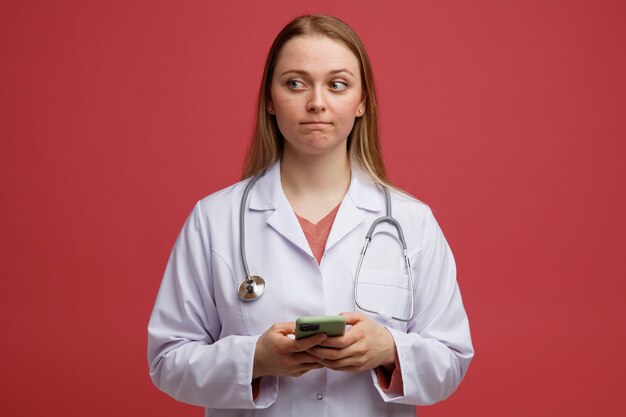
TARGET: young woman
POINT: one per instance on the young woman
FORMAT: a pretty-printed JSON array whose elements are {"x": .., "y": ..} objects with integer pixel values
[{"x": 314, "y": 183}]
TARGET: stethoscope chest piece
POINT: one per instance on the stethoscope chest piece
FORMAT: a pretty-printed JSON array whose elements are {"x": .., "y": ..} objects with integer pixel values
[{"x": 251, "y": 288}]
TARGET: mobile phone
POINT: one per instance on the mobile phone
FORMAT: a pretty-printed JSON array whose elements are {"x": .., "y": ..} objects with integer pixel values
[{"x": 310, "y": 325}]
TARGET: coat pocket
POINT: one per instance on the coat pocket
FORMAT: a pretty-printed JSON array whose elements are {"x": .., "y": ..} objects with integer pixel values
[{"x": 386, "y": 293}]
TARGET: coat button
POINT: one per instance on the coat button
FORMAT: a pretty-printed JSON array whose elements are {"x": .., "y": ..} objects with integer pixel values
[{"x": 319, "y": 396}]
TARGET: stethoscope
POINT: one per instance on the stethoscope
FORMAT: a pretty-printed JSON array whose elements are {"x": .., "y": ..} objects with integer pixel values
[{"x": 253, "y": 286}]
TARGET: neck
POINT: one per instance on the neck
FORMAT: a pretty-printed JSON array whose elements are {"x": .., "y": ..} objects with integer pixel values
[{"x": 314, "y": 185}]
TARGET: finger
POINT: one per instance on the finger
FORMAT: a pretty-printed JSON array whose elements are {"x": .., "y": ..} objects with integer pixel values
[
  {"x": 308, "y": 342},
  {"x": 338, "y": 342},
  {"x": 340, "y": 366},
  {"x": 306, "y": 358},
  {"x": 350, "y": 337},
  {"x": 350, "y": 362},
  {"x": 353, "y": 318},
  {"x": 299, "y": 363},
  {"x": 305, "y": 369},
  {"x": 343, "y": 364},
  {"x": 328, "y": 353}
]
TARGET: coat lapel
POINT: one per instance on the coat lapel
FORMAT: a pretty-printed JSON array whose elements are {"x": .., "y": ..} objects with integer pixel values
[
  {"x": 363, "y": 195},
  {"x": 268, "y": 194}
]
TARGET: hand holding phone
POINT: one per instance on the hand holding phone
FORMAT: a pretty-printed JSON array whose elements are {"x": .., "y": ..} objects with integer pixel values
[{"x": 310, "y": 325}]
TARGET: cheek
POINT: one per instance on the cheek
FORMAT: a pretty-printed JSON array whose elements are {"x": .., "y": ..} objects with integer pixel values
[
  {"x": 286, "y": 117},
  {"x": 285, "y": 114},
  {"x": 347, "y": 111},
  {"x": 348, "y": 107},
  {"x": 284, "y": 127},
  {"x": 285, "y": 106}
]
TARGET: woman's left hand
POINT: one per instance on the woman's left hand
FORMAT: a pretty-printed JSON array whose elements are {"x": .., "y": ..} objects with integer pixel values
[{"x": 366, "y": 345}]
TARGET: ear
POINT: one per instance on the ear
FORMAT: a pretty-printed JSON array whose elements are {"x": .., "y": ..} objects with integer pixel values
[
  {"x": 360, "y": 109},
  {"x": 270, "y": 107}
]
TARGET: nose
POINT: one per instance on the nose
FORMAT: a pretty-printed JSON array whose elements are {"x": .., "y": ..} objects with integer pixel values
[{"x": 317, "y": 102}]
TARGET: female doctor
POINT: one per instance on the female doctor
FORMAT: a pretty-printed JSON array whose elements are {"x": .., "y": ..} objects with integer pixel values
[{"x": 221, "y": 337}]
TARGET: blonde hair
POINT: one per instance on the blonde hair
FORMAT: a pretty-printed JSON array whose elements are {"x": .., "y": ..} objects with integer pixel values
[{"x": 363, "y": 142}]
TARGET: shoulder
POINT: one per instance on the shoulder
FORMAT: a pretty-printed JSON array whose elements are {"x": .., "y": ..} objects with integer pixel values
[
  {"x": 417, "y": 219},
  {"x": 215, "y": 214},
  {"x": 406, "y": 204},
  {"x": 224, "y": 199},
  {"x": 369, "y": 194},
  {"x": 217, "y": 210}
]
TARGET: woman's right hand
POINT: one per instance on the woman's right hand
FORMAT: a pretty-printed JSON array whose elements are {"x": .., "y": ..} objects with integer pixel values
[{"x": 278, "y": 354}]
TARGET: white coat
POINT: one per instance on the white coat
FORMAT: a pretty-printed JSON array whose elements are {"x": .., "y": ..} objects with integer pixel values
[{"x": 202, "y": 337}]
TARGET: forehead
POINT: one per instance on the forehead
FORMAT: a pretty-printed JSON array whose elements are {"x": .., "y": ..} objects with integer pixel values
[{"x": 316, "y": 54}]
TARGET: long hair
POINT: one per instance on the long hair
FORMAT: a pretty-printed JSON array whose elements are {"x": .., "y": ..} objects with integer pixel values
[{"x": 363, "y": 141}]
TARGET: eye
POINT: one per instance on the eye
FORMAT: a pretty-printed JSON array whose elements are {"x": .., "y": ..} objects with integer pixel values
[
  {"x": 338, "y": 85},
  {"x": 295, "y": 84}
]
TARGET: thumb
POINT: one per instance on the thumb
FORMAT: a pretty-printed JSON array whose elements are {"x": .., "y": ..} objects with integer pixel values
[
  {"x": 353, "y": 318},
  {"x": 284, "y": 328}
]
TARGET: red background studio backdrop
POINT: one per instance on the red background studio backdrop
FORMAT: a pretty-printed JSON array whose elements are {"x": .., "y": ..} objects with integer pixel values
[{"x": 506, "y": 117}]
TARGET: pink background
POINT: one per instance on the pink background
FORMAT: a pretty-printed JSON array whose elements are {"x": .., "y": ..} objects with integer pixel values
[{"x": 507, "y": 117}]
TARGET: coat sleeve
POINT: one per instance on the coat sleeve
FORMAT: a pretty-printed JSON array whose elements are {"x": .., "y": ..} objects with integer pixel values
[
  {"x": 187, "y": 358},
  {"x": 435, "y": 351}
]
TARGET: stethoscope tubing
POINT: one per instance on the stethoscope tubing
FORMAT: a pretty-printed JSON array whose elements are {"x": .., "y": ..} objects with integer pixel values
[
  {"x": 388, "y": 218},
  {"x": 242, "y": 222},
  {"x": 252, "y": 287}
]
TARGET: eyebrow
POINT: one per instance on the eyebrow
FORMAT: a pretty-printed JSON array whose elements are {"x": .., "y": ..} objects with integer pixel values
[{"x": 303, "y": 72}]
